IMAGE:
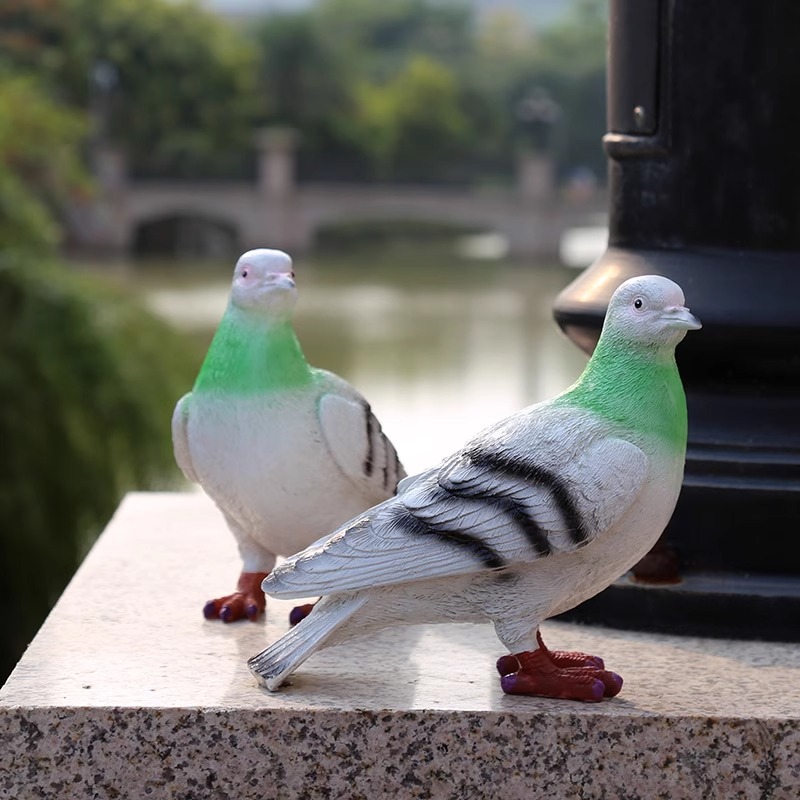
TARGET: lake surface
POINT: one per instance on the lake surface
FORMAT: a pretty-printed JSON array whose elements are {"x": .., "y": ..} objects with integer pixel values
[{"x": 439, "y": 346}]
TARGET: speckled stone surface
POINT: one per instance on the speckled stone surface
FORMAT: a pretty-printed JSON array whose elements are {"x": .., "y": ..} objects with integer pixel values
[{"x": 127, "y": 692}]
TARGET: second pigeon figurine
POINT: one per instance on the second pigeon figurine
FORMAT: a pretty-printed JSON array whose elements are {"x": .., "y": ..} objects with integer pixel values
[
  {"x": 286, "y": 451},
  {"x": 531, "y": 517}
]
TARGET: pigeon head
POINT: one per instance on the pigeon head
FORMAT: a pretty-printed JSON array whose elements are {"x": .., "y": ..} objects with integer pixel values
[
  {"x": 649, "y": 311},
  {"x": 263, "y": 280}
]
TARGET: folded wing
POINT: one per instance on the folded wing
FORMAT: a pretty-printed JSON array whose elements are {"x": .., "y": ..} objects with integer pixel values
[
  {"x": 357, "y": 444},
  {"x": 180, "y": 438},
  {"x": 483, "y": 509}
]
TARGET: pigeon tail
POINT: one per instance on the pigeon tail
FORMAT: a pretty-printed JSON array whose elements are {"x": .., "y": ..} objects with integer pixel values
[{"x": 273, "y": 665}]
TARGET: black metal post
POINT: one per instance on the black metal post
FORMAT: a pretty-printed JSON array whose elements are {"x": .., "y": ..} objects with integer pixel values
[{"x": 704, "y": 158}]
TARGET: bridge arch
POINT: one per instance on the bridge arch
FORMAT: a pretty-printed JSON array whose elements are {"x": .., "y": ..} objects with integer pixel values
[{"x": 185, "y": 234}]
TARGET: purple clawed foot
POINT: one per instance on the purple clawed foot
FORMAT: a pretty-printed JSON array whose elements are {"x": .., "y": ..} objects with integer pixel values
[
  {"x": 299, "y": 613},
  {"x": 247, "y": 601},
  {"x": 558, "y": 674}
]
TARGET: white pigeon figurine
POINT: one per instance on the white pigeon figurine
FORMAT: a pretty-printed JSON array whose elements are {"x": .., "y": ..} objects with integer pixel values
[
  {"x": 533, "y": 516},
  {"x": 286, "y": 451}
]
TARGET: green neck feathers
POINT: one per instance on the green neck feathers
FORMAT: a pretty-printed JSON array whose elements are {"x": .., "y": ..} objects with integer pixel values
[
  {"x": 637, "y": 388},
  {"x": 251, "y": 354}
]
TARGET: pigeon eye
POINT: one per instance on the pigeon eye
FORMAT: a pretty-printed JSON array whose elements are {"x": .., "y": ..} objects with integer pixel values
[
  {"x": 244, "y": 273},
  {"x": 637, "y": 303}
]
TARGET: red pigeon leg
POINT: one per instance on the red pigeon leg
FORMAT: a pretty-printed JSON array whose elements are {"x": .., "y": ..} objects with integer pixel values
[
  {"x": 535, "y": 672},
  {"x": 247, "y": 601},
  {"x": 571, "y": 658}
]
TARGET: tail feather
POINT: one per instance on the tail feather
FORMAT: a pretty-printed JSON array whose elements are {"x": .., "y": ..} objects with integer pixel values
[{"x": 274, "y": 664}]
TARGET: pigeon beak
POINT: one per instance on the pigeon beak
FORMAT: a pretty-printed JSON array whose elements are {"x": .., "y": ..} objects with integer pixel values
[
  {"x": 682, "y": 318},
  {"x": 284, "y": 280}
]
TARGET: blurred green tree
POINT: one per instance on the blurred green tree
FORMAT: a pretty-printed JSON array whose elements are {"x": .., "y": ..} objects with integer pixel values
[
  {"x": 177, "y": 85},
  {"x": 567, "y": 61},
  {"x": 413, "y": 124},
  {"x": 186, "y": 88},
  {"x": 382, "y": 37},
  {"x": 306, "y": 82},
  {"x": 88, "y": 381},
  {"x": 87, "y": 378},
  {"x": 344, "y": 71},
  {"x": 40, "y": 167}
]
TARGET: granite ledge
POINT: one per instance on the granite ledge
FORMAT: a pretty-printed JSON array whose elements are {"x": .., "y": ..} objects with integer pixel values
[{"x": 128, "y": 692}]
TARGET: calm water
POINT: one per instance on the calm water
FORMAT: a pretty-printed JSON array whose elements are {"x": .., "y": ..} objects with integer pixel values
[{"x": 440, "y": 346}]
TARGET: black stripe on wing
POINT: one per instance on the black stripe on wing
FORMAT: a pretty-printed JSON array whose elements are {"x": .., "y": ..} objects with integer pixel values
[
  {"x": 396, "y": 471},
  {"x": 370, "y": 456},
  {"x": 390, "y": 465},
  {"x": 380, "y": 454},
  {"x": 533, "y": 532},
  {"x": 408, "y": 523},
  {"x": 516, "y": 511},
  {"x": 533, "y": 473}
]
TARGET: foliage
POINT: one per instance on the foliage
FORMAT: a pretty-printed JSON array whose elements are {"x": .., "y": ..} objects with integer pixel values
[
  {"x": 39, "y": 163},
  {"x": 87, "y": 379},
  {"x": 189, "y": 87},
  {"x": 413, "y": 123},
  {"x": 305, "y": 80},
  {"x": 569, "y": 61},
  {"x": 421, "y": 89},
  {"x": 29, "y": 34},
  {"x": 392, "y": 94},
  {"x": 382, "y": 37},
  {"x": 88, "y": 382},
  {"x": 170, "y": 81}
]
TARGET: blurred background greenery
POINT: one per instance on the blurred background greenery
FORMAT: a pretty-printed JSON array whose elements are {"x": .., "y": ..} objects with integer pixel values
[
  {"x": 94, "y": 354},
  {"x": 398, "y": 89}
]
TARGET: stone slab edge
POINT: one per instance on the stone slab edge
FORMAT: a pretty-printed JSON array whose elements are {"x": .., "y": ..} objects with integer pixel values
[{"x": 219, "y": 753}]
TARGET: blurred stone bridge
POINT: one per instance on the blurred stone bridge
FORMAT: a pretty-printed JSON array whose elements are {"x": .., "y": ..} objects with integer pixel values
[{"x": 277, "y": 211}]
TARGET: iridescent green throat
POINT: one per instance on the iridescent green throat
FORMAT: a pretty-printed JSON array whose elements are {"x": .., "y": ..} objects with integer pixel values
[
  {"x": 635, "y": 387},
  {"x": 250, "y": 354}
]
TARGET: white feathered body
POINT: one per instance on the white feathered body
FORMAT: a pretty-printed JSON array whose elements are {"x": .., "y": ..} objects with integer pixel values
[
  {"x": 287, "y": 467},
  {"x": 622, "y": 489},
  {"x": 286, "y": 451}
]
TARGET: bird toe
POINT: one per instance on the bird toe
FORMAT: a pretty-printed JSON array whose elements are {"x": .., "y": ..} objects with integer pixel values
[
  {"x": 211, "y": 610},
  {"x": 506, "y": 665},
  {"x": 232, "y": 608},
  {"x": 299, "y": 613},
  {"x": 247, "y": 601},
  {"x": 612, "y": 683}
]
